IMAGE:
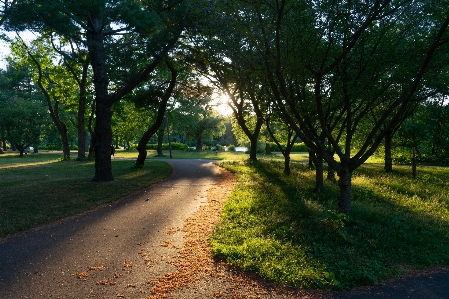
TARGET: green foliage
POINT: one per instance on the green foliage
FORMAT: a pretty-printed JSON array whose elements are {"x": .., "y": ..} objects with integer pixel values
[
  {"x": 276, "y": 226},
  {"x": 297, "y": 147},
  {"x": 231, "y": 148},
  {"x": 165, "y": 146},
  {"x": 22, "y": 120}
]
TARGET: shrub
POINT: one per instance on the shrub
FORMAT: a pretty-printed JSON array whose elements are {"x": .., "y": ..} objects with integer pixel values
[
  {"x": 231, "y": 148},
  {"x": 174, "y": 146},
  {"x": 297, "y": 147}
]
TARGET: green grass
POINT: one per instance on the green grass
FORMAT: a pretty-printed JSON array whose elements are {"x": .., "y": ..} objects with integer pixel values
[
  {"x": 275, "y": 226},
  {"x": 39, "y": 189},
  {"x": 221, "y": 155}
]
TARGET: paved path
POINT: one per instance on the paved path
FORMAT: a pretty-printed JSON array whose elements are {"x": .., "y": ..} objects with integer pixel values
[{"x": 110, "y": 252}]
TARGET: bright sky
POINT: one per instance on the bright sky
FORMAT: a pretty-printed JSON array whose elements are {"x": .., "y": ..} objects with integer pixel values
[
  {"x": 4, "y": 46},
  {"x": 220, "y": 104}
]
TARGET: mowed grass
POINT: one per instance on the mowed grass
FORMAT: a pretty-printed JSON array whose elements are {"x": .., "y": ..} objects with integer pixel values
[
  {"x": 39, "y": 189},
  {"x": 276, "y": 226},
  {"x": 220, "y": 155}
]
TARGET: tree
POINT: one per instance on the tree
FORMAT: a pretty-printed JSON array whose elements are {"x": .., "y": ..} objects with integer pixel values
[
  {"x": 280, "y": 132},
  {"x": 106, "y": 27},
  {"x": 54, "y": 81},
  {"x": 194, "y": 111},
  {"x": 76, "y": 62},
  {"x": 347, "y": 64},
  {"x": 22, "y": 119},
  {"x": 163, "y": 97}
]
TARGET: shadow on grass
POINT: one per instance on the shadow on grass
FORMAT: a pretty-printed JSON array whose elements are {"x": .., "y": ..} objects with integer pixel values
[{"x": 275, "y": 226}]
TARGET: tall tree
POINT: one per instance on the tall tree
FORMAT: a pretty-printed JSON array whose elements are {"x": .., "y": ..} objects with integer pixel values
[
  {"x": 54, "y": 81},
  {"x": 106, "y": 27}
]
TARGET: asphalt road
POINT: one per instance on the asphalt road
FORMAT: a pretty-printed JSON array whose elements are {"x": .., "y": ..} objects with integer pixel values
[{"x": 112, "y": 251}]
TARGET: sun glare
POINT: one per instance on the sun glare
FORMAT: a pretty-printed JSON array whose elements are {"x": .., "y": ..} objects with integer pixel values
[{"x": 221, "y": 104}]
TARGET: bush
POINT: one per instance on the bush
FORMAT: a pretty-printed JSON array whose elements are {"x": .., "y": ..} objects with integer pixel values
[
  {"x": 231, "y": 148},
  {"x": 50, "y": 147},
  {"x": 174, "y": 146},
  {"x": 297, "y": 147}
]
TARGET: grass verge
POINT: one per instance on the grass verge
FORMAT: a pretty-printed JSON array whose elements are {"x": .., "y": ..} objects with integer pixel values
[
  {"x": 39, "y": 189},
  {"x": 276, "y": 226}
]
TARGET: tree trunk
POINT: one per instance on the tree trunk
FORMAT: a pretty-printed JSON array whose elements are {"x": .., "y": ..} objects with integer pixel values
[
  {"x": 160, "y": 140},
  {"x": 141, "y": 147},
  {"x": 65, "y": 140},
  {"x": 267, "y": 148},
  {"x": 286, "y": 153},
  {"x": 253, "y": 148},
  {"x": 287, "y": 170},
  {"x": 345, "y": 184},
  {"x": 388, "y": 160},
  {"x": 4, "y": 145},
  {"x": 330, "y": 174},
  {"x": 103, "y": 131},
  {"x": 319, "y": 171},
  {"x": 199, "y": 143},
  {"x": 91, "y": 146},
  {"x": 102, "y": 144},
  {"x": 311, "y": 155},
  {"x": 414, "y": 162},
  {"x": 81, "y": 113}
]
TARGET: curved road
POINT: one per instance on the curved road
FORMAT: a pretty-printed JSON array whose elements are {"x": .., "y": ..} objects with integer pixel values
[{"x": 112, "y": 251}]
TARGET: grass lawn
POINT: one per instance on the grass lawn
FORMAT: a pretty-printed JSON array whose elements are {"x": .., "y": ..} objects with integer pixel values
[
  {"x": 275, "y": 226},
  {"x": 221, "y": 155},
  {"x": 38, "y": 189}
]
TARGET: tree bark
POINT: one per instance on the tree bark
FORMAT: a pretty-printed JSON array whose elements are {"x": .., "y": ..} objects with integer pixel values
[
  {"x": 253, "y": 147},
  {"x": 65, "y": 140},
  {"x": 330, "y": 174},
  {"x": 102, "y": 143},
  {"x": 311, "y": 164},
  {"x": 287, "y": 170},
  {"x": 267, "y": 148},
  {"x": 345, "y": 184},
  {"x": 199, "y": 143},
  {"x": 160, "y": 140},
  {"x": 388, "y": 160},
  {"x": 103, "y": 132},
  {"x": 81, "y": 113},
  {"x": 319, "y": 172}
]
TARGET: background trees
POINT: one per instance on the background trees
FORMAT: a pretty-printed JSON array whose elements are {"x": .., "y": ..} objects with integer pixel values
[
  {"x": 353, "y": 70},
  {"x": 23, "y": 115},
  {"x": 342, "y": 76},
  {"x": 105, "y": 27}
]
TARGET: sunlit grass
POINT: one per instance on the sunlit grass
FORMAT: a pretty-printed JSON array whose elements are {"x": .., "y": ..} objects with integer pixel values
[
  {"x": 221, "y": 155},
  {"x": 276, "y": 226}
]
